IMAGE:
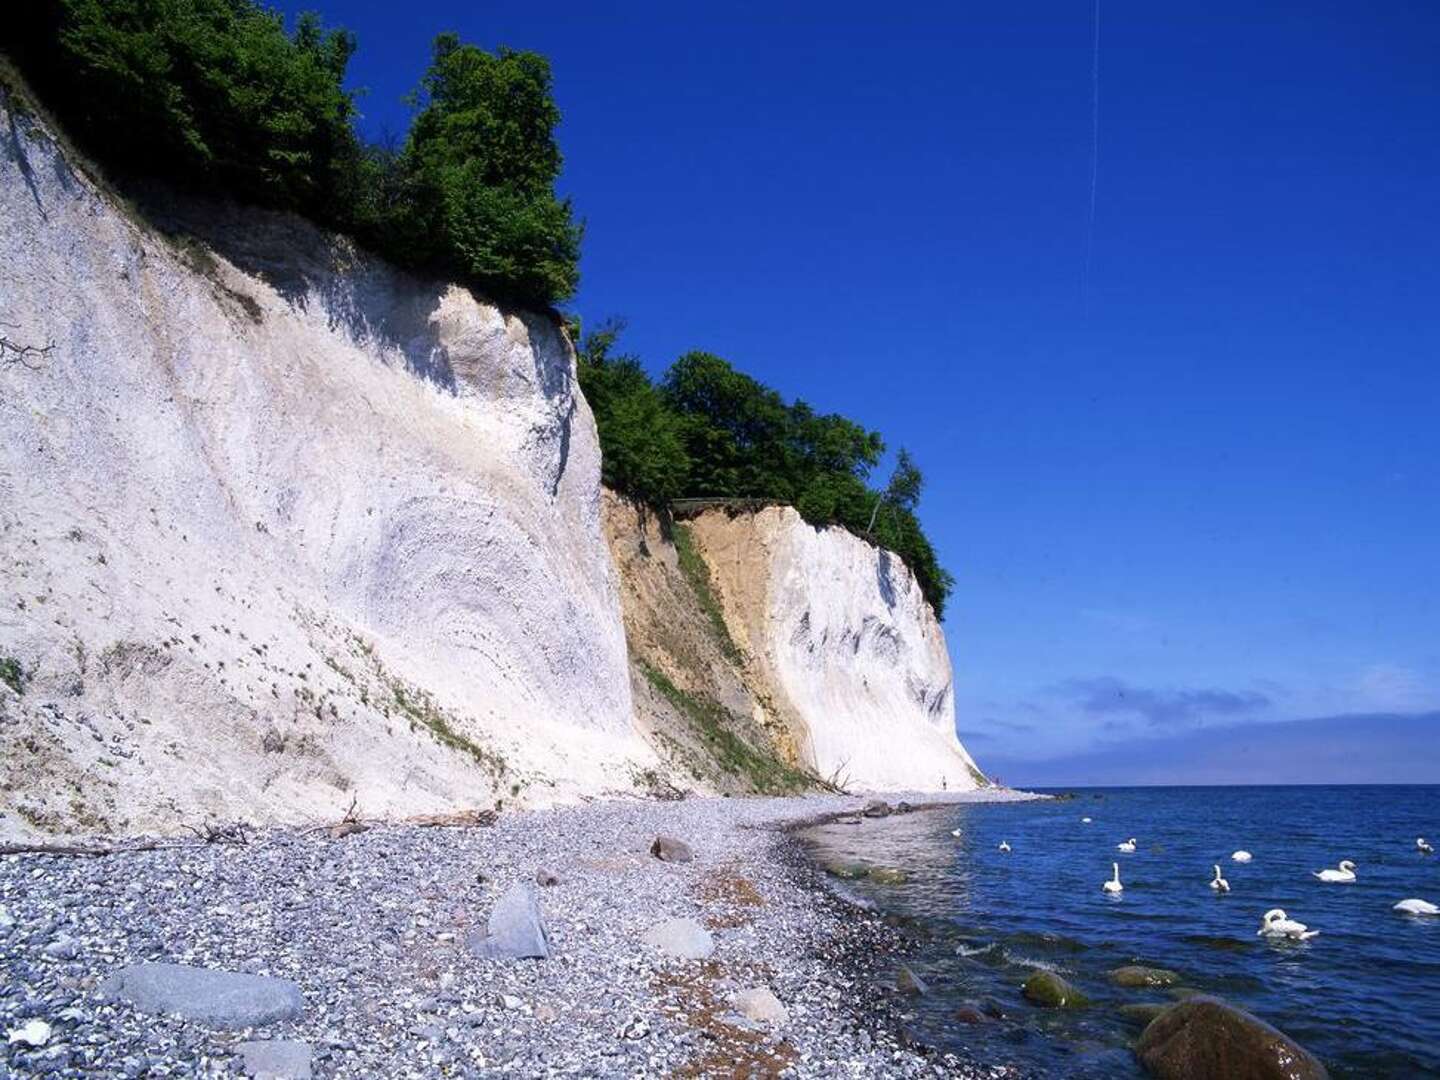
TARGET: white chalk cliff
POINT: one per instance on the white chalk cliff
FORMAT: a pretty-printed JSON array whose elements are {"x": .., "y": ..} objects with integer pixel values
[
  {"x": 850, "y": 649},
  {"x": 283, "y": 528}
]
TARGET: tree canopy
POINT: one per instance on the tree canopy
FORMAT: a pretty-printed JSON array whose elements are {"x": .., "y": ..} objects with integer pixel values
[
  {"x": 709, "y": 430},
  {"x": 217, "y": 95}
]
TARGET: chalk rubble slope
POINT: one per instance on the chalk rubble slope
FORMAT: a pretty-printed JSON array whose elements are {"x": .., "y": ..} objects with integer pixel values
[{"x": 281, "y": 527}]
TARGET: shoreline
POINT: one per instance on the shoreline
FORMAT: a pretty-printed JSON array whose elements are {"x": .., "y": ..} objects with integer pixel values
[{"x": 372, "y": 927}]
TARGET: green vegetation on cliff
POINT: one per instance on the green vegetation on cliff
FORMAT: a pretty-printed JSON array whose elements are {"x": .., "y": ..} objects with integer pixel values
[
  {"x": 707, "y": 430},
  {"x": 217, "y": 96}
]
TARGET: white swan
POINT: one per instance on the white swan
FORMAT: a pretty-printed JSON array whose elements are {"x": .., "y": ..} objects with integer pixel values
[
  {"x": 1085, "y": 821},
  {"x": 1423, "y": 846},
  {"x": 1219, "y": 884},
  {"x": 1416, "y": 907},
  {"x": 1276, "y": 924},
  {"x": 1113, "y": 885},
  {"x": 957, "y": 832},
  {"x": 1242, "y": 856},
  {"x": 1343, "y": 876},
  {"x": 1128, "y": 846},
  {"x": 1004, "y": 845}
]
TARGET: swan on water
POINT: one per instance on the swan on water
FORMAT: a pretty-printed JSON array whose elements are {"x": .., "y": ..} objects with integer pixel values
[
  {"x": 1242, "y": 856},
  {"x": 1219, "y": 884},
  {"x": 1345, "y": 875},
  {"x": 1416, "y": 907},
  {"x": 1113, "y": 885},
  {"x": 1276, "y": 924},
  {"x": 1128, "y": 846},
  {"x": 1004, "y": 845},
  {"x": 1085, "y": 821},
  {"x": 957, "y": 832},
  {"x": 1423, "y": 846}
]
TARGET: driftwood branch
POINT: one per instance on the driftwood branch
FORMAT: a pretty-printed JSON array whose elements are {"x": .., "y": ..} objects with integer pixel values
[
  {"x": 84, "y": 850},
  {"x": 238, "y": 833}
]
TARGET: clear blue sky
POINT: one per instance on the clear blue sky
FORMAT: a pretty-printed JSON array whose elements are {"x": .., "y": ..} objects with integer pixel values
[{"x": 1213, "y": 499}]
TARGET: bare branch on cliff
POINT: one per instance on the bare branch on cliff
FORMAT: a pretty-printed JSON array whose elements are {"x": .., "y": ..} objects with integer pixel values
[{"x": 27, "y": 356}]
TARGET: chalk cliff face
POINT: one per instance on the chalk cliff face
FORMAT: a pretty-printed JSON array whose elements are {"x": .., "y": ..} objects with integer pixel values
[
  {"x": 848, "y": 649},
  {"x": 281, "y": 527}
]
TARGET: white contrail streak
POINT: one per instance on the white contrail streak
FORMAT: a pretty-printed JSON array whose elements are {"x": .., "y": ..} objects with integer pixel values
[{"x": 1094, "y": 158}]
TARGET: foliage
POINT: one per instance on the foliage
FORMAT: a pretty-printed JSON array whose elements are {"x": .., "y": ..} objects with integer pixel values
[
  {"x": 709, "y": 430},
  {"x": 216, "y": 95},
  {"x": 12, "y": 674},
  {"x": 697, "y": 573},
  {"x": 642, "y": 451},
  {"x": 478, "y": 173}
]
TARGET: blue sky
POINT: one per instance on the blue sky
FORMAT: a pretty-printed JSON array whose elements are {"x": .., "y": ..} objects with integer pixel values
[{"x": 1212, "y": 498}]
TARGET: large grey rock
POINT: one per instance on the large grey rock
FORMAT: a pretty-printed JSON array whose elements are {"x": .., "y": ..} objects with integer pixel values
[
  {"x": 669, "y": 849},
  {"x": 684, "y": 939},
  {"x": 224, "y": 999},
  {"x": 515, "y": 930},
  {"x": 276, "y": 1059},
  {"x": 876, "y": 808},
  {"x": 760, "y": 1005},
  {"x": 1135, "y": 975},
  {"x": 1203, "y": 1038}
]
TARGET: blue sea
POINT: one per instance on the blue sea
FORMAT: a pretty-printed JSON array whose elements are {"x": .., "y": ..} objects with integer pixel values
[{"x": 1363, "y": 996}]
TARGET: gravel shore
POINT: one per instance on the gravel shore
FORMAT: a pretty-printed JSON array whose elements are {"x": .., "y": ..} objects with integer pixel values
[{"x": 377, "y": 928}]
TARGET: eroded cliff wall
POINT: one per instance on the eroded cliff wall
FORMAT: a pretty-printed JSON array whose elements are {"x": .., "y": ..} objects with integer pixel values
[
  {"x": 849, "y": 653},
  {"x": 281, "y": 527}
]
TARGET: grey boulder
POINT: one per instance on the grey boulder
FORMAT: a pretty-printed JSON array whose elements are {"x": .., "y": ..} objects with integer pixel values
[
  {"x": 515, "y": 930},
  {"x": 276, "y": 1059},
  {"x": 222, "y": 999},
  {"x": 684, "y": 939},
  {"x": 669, "y": 849}
]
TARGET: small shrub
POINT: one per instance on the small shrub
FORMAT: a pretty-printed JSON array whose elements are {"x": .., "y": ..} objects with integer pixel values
[{"x": 12, "y": 674}]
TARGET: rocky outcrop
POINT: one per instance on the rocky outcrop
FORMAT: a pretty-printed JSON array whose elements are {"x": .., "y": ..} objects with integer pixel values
[{"x": 281, "y": 527}]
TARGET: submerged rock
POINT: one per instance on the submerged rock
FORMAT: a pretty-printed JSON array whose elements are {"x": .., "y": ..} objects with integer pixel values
[
  {"x": 1048, "y": 989},
  {"x": 515, "y": 930},
  {"x": 684, "y": 939},
  {"x": 888, "y": 875},
  {"x": 276, "y": 1059},
  {"x": 223, "y": 999},
  {"x": 669, "y": 849},
  {"x": 907, "y": 982},
  {"x": 1142, "y": 1012},
  {"x": 1136, "y": 975},
  {"x": 1206, "y": 1039},
  {"x": 969, "y": 1014},
  {"x": 846, "y": 871}
]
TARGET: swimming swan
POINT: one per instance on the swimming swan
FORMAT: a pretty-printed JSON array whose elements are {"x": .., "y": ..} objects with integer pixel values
[
  {"x": 1113, "y": 885},
  {"x": 957, "y": 832},
  {"x": 1343, "y": 876},
  {"x": 1416, "y": 907},
  {"x": 1219, "y": 884},
  {"x": 1423, "y": 846},
  {"x": 1085, "y": 821},
  {"x": 1128, "y": 846},
  {"x": 1004, "y": 845},
  {"x": 1277, "y": 924},
  {"x": 1242, "y": 856}
]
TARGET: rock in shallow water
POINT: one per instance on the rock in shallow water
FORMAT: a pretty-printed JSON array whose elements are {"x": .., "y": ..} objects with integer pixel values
[
  {"x": 876, "y": 808},
  {"x": 1048, "y": 989},
  {"x": 907, "y": 982},
  {"x": 276, "y": 1059},
  {"x": 224, "y": 999},
  {"x": 1142, "y": 1012},
  {"x": 1134, "y": 975},
  {"x": 1205, "y": 1039},
  {"x": 515, "y": 930}
]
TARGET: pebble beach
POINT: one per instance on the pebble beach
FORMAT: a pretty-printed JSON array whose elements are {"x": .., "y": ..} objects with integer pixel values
[{"x": 409, "y": 951}]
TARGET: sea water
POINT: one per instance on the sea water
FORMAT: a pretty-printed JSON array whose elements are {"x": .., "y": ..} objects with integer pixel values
[{"x": 1363, "y": 996}]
